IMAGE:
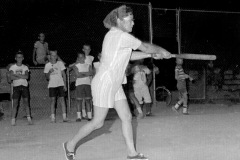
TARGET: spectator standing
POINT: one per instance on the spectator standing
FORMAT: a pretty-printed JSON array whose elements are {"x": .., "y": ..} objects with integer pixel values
[
  {"x": 129, "y": 91},
  {"x": 19, "y": 73},
  {"x": 55, "y": 73},
  {"x": 97, "y": 63},
  {"x": 88, "y": 60},
  {"x": 181, "y": 77},
  {"x": 140, "y": 87},
  {"x": 40, "y": 51},
  {"x": 83, "y": 71}
]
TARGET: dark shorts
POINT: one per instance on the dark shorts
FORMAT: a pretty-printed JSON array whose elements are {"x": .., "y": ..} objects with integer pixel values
[
  {"x": 84, "y": 91},
  {"x": 181, "y": 86},
  {"x": 56, "y": 92},
  {"x": 19, "y": 91},
  {"x": 72, "y": 86}
]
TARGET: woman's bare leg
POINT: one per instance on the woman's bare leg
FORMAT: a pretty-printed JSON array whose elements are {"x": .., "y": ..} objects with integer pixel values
[
  {"x": 96, "y": 123},
  {"x": 124, "y": 113}
]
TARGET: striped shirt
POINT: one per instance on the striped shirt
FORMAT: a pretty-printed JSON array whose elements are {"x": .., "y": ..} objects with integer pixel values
[{"x": 180, "y": 73}]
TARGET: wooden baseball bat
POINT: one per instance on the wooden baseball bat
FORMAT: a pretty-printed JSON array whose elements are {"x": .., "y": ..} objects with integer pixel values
[{"x": 195, "y": 56}]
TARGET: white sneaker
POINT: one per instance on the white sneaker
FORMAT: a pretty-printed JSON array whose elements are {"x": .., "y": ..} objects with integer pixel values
[
  {"x": 185, "y": 111},
  {"x": 13, "y": 122}
]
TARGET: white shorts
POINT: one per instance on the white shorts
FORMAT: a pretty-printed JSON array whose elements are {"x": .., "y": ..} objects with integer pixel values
[
  {"x": 105, "y": 93},
  {"x": 142, "y": 93}
]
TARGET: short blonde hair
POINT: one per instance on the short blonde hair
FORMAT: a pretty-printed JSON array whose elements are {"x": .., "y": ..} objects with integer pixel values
[{"x": 120, "y": 12}]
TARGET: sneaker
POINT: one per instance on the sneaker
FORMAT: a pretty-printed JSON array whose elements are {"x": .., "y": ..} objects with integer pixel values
[
  {"x": 85, "y": 118},
  {"x": 148, "y": 114},
  {"x": 185, "y": 111},
  {"x": 68, "y": 155},
  {"x": 78, "y": 120},
  {"x": 140, "y": 116},
  {"x": 175, "y": 109},
  {"x": 89, "y": 119},
  {"x": 30, "y": 122},
  {"x": 66, "y": 120},
  {"x": 139, "y": 156}
]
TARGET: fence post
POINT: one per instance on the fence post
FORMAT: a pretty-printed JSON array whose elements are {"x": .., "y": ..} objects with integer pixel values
[
  {"x": 178, "y": 29},
  {"x": 68, "y": 89},
  {"x": 151, "y": 38}
]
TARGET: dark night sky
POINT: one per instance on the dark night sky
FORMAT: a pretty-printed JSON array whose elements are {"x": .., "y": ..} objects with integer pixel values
[
  {"x": 20, "y": 22},
  {"x": 16, "y": 14},
  {"x": 219, "y": 5}
]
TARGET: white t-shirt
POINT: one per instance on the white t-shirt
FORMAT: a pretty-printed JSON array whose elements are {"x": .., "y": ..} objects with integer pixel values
[
  {"x": 56, "y": 78},
  {"x": 41, "y": 51},
  {"x": 89, "y": 59},
  {"x": 83, "y": 68},
  {"x": 140, "y": 78},
  {"x": 19, "y": 70}
]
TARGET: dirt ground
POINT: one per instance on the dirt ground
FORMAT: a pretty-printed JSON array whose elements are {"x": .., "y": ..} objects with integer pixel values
[{"x": 210, "y": 132}]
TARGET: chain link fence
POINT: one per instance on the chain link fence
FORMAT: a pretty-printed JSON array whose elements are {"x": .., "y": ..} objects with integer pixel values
[
  {"x": 66, "y": 30},
  {"x": 68, "y": 25},
  {"x": 216, "y": 33}
]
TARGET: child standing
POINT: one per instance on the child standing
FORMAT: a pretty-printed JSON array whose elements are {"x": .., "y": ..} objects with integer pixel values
[
  {"x": 83, "y": 71},
  {"x": 88, "y": 60},
  {"x": 97, "y": 64},
  {"x": 40, "y": 50},
  {"x": 140, "y": 87},
  {"x": 55, "y": 73},
  {"x": 87, "y": 50},
  {"x": 19, "y": 74},
  {"x": 128, "y": 88},
  {"x": 181, "y": 77},
  {"x": 41, "y": 54}
]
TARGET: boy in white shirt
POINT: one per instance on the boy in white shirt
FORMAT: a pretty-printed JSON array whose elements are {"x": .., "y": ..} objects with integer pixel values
[
  {"x": 83, "y": 72},
  {"x": 19, "y": 73},
  {"x": 86, "y": 50},
  {"x": 55, "y": 73},
  {"x": 88, "y": 60}
]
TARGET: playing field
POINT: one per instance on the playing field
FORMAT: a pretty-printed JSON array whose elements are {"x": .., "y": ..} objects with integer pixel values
[{"x": 210, "y": 132}]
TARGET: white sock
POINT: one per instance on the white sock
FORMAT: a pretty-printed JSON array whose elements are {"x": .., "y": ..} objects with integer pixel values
[
  {"x": 89, "y": 115},
  {"x": 79, "y": 115},
  {"x": 84, "y": 114},
  {"x": 29, "y": 118},
  {"x": 177, "y": 105},
  {"x": 64, "y": 115},
  {"x": 53, "y": 116},
  {"x": 139, "y": 110},
  {"x": 185, "y": 109},
  {"x": 13, "y": 122}
]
